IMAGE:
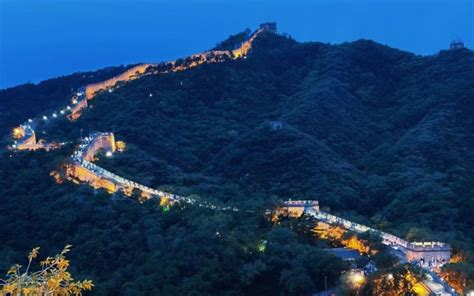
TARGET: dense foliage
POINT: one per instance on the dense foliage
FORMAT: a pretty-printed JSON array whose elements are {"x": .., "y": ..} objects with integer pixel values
[
  {"x": 233, "y": 40},
  {"x": 25, "y": 101},
  {"x": 379, "y": 135}
]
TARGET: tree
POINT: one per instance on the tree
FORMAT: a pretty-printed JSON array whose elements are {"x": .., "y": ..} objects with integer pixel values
[
  {"x": 399, "y": 280},
  {"x": 296, "y": 281},
  {"x": 52, "y": 278}
]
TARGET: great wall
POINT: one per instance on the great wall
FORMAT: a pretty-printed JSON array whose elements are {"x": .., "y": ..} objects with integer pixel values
[
  {"x": 82, "y": 169},
  {"x": 24, "y": 137},
  {"x": 430, "y": 253}
]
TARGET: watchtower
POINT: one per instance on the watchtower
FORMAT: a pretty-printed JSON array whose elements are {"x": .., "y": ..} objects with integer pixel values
[
  {"x": 456, "y": 44},
  {"x": 429, "y": 253},
  {"x": 296, "y": 208}
]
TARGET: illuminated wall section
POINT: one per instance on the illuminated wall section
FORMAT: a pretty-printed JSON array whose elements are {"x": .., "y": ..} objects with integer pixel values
[
  {"x": 103, "y": 141},
  {"x": 82, "y": 174},
  {"x": 130, "y": 74},
  {"x": 77, "y": 108},
  {"x": 429, "y": 252}
]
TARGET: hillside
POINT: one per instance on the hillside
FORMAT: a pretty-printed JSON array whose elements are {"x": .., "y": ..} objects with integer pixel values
[
  {"x": 364, "y": 127},
  {"x": 374, "y": 133},
  {"x": 25, "y": 101}
]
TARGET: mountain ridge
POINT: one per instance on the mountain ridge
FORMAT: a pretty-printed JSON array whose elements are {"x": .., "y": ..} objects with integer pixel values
[{"x": 372, "y": 132}]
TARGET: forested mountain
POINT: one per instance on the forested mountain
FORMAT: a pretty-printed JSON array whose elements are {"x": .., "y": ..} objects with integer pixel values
[
  {"x": 27, "y": 100},
  {"x": 374, "y": 133}
]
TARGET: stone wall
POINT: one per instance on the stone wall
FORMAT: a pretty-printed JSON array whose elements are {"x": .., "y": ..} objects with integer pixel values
[
  {"x": 130, "y": 74},
  {"x": 104, "y": 141},
  {"x": 81, "y": 174},
  {"x": 438, "y": 256},
  {"x": 77, "y": 109}
]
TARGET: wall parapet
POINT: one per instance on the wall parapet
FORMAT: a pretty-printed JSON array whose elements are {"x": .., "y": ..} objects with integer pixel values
[{"x": 408, "y": 248}]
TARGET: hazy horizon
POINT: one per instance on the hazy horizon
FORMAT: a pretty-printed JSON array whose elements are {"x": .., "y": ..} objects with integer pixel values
[{"x": 47, "y": 38}]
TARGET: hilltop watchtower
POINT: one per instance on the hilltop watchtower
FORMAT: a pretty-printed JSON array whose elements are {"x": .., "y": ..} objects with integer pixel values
[
  {"x": 428, "y": 253},
  {"x": 456, "y": 44},
  {"x": 269, "y": 27}
]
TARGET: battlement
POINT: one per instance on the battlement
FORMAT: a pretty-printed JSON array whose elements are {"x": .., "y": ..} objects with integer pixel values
[
  {"x": 296, "y": 208},
  {"x": 130, "y": 74},
  {"x": 302, "y": 203},
  {"x": 428, "y": 246}
]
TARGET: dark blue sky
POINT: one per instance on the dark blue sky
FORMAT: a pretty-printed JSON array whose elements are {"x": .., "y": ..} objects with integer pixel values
[{"x": 40, "y": 39}]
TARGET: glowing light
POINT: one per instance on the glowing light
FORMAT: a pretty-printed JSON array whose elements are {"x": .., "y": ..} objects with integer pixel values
[
  {"x": 109, "y": 154},
  {"x": 62, "y": 111},
  {"x": 120, "y": 145},
  {"x": 110, "y": 90},
  {"x": 68, "y": 107},
  {"x": 74, "y": 101},
  {"x": 55, "y": 115},
  {"x": 262, "y": 245},
  {"x": 357, "y": 278},
  {"x": 30, "y": 120},
  {"x": 45, "y": 117},
  {"x": 18, "y": 133},
  {"x": 390, "y": 276},
  {"x": 151, "y": 95}
]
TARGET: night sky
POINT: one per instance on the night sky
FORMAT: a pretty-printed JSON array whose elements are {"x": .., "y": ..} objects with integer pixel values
[{"x": 40, "y": 39}]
